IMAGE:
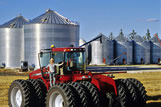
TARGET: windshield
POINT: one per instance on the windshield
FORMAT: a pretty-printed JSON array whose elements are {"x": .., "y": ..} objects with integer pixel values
[
  {"x": 74, "y": 61},
  {"x": 46, "y": 56}
]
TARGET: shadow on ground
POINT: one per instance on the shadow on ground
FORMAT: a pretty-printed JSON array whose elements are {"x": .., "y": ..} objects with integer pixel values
[
  {"x": 155, "y": 104},
  {"x": 154, "y": 98}
]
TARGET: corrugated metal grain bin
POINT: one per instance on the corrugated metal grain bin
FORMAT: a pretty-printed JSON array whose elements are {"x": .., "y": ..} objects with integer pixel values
[
  {"x": 46, "y": 29},
  {"x": 141, "y": 50},
  {"x": 102, "y": 51},
  {"x": 155, "y": 50},
  {"x": 87, "y": 48},
  {"x": 97, "y": 53},
  {"x": 12, "y": 42},
  {"x": 108, "y": 51},
  {"x": 124, "y": 50}
]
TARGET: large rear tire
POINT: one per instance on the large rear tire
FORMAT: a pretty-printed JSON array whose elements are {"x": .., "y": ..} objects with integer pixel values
[
  {"x": 131, "y": 92},
  {"x": 19, "y": 94},
  {"x": 140, "y": 90},
  {"x": 93, "y": 93},
  {"x": 122, "y": 94},
  {"x": 61, "y": 95}
]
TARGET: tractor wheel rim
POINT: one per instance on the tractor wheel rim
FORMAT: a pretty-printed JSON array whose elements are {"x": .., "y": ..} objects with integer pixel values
[
  {"x": 56, "y": 100},
  {"x": 16, "y": 97}
]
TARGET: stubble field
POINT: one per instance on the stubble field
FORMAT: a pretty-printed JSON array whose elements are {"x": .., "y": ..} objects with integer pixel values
[{"x": 151, "y": 81}]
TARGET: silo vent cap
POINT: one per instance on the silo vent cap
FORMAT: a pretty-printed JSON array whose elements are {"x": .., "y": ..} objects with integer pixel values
[
  {"x": 44, "y": 20},
  {"x": 12, "y": 25},
  {"x": 48, "y": 10},
  {"x": 19, "y": 15}
]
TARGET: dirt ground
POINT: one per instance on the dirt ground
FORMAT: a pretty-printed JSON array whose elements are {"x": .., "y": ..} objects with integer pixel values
[{"x": 151, "y": 81}]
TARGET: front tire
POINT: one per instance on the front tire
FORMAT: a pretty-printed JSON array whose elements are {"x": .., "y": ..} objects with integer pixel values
[
  {"x": 19, "y": 94},
  {"x": 61, "y": 95}
]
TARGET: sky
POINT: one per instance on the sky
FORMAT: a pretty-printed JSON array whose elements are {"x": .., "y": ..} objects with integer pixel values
[{"x": 94, "y": 16}]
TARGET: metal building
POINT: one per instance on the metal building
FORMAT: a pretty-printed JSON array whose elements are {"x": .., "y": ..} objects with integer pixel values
[
  {"x": 155, "y": 50},
  {"x": 87, "y": 48},
  {"x": 123, "y": 50},
  {"x": 102, "y": 51},
  {"x": 46, "y": 29},
  {"x": 141, "y": 50},
  {"x": 97, "y": 52},
  {"x": 108, "y": 51},
  {"x": 12, "y": 42}
]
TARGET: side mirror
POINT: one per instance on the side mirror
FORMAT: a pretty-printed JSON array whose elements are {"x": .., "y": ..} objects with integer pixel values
[{"x": 41, "y": 54}]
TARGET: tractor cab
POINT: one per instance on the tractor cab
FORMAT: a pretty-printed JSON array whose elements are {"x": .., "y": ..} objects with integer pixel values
[{"x": 73, "y": 58}]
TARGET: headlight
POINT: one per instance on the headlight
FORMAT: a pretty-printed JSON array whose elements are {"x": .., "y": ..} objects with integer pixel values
[
  {"x": 89, "y": 76},
  {"x": 83, "y": 77}
]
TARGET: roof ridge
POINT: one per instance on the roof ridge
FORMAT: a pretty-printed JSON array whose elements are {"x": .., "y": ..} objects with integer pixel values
[
  {"x": 16, "y": 22},
  {"x": 51, "y": 17}
]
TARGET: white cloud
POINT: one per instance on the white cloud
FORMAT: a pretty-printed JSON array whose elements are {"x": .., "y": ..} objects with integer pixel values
[{"x": 152, "y": 20}]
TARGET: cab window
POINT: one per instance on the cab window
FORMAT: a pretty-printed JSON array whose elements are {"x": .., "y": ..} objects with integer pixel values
[
  {"x": 58, "y": 57},
  {"x": 45, "y": 58}
]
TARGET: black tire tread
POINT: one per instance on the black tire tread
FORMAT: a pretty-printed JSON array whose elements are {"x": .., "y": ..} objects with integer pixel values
[
  {"x": 130, "y": 88},
  {"x": 81, "y": 93},
  {"x": 141, "y": 90},
  {"x": 94, "y": 98},
  {"x": 39, "y": 92},
  {"x": 131, "y": 92},
  {"x": 122, "y": 94},
  {"x": 26, "y": 92},
  {"x": 68, "y": 93}
]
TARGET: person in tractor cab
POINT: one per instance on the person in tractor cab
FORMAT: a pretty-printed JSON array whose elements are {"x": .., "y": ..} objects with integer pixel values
[{"x": 52, "y": 71}]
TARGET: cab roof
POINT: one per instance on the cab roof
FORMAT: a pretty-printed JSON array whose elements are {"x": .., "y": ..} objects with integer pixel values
[{"x": 68, "y": 49}]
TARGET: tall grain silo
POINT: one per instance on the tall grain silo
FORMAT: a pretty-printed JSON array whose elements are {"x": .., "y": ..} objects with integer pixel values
[
  {"x": 46, "y": 29},
  {"x": 141, "y": 50},
  {"x": 101, "y": 51},
  {"x": 12, "y": 42},
  {"x": 87, "y": 48},
  {"x": 155, "y": 50},
  {"x": 97, "y": 52},
  {"x": 123, "y": 50},
  {"x": 108, "y": 51}
]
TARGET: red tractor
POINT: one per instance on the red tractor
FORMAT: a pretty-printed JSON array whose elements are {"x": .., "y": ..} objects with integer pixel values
[{"x": 75, "y": 86}]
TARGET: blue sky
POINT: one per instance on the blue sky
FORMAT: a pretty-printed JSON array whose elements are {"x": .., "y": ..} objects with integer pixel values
[{"x": 94, "y": 16}]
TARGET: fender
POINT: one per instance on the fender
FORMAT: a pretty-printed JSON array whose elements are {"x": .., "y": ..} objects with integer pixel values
[{"x": 104, "y": 83}]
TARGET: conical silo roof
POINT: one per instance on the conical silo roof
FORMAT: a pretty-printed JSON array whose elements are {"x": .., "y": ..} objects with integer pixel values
[
  {"x": 17, "y": 22},
  {"x": 51, "y": 17},
  {"x": 138, "y": 38},
  {"x": 103, "y": 37},
  {"x": 121, "y": 38}
]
